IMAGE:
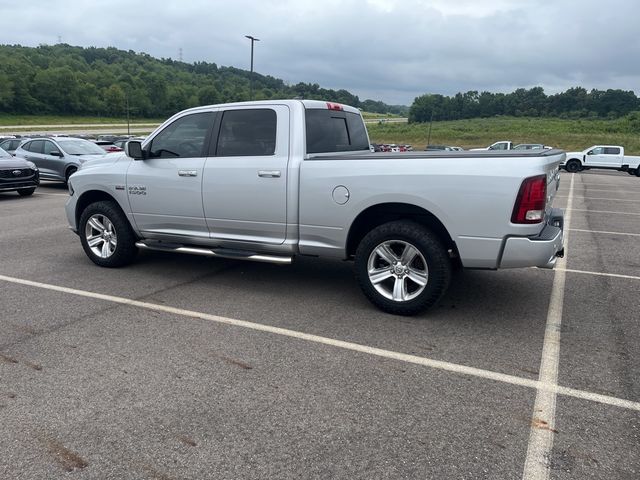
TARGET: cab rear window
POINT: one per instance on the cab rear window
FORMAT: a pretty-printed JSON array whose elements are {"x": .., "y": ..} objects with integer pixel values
[{"x": 334, "y": 131}]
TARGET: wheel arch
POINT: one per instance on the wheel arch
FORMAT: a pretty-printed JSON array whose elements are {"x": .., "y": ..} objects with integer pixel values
[
  {"x": 93, "y": 196},
  {"x": 381, "y": 213},
  {"x": 70, "y": 166}
]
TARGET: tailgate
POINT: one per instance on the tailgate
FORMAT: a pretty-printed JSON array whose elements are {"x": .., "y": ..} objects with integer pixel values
[{"x": 552, "y": 169}]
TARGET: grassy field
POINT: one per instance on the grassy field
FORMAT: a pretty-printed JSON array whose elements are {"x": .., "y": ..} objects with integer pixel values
[
  {"x": 569, "y": 135},
  {"x": 26, "y": 120},
  {"x": 370, "y": 115}
]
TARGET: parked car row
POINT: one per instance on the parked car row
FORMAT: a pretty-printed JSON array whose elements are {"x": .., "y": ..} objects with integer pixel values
[
  {"x": 109, "y": 143},
  {"x": 499, "y": 146},
  {"x": 508, "y": 145},
  {"x": 446, "y": 148},
  {"x": 390, "y": 147},
  {"x": 54, "y": 157}
]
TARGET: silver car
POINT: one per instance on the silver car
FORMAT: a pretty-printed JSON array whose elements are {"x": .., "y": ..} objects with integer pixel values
[
  {"x": 10, "y": 145},
  {"x": 59, "y": 158}
]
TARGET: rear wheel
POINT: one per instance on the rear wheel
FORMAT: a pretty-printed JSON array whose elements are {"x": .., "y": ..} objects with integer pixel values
[
  {"x": 402, "y": 267},
  {"x": 25, "y": 192},
  {"x": 638, "y": 172},
  {"x": 573, "y": 166},
  {"x": 106, "y": 236}
]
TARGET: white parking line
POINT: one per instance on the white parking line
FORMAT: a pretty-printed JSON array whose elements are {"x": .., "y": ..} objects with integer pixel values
[
  {"x": 601, "y": 211},
  {"x": 614, "y": 189},
  {"x": 601, "y": 274},
  {"x": 600, "y": 198},
  {"x": 544, "y": 409},
  {"x": 355, "y": 347},
  {"x": 603, "y": 232},
  {"x": 615, "y": 185}
]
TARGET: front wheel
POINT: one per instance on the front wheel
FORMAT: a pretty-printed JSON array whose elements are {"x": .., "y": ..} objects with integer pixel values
[
  {"x": 402, "y": 267},
  {"x": 573, "y": 166},
  {"x": 70, "y": 171},
  {"x": 25, "y": 192},
  {"x": 106, "y": 236}
]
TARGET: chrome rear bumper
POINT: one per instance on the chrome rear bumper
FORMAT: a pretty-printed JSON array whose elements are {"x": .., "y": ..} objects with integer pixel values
[{"x": 541, "y": 251}]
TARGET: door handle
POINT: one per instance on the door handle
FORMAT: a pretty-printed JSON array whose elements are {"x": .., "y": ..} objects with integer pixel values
[
  {"x": 269, "y": 173},
  {"x": 188, "y": 173}
]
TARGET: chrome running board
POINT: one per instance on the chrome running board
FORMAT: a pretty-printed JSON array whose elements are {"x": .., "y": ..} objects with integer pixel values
[{"x": 217, "y": 252}]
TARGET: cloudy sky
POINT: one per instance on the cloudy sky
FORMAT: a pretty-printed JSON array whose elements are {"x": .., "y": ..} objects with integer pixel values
[{"x": 390, "y": 50}]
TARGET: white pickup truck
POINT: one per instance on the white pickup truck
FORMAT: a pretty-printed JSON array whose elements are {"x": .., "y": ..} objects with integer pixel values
[
  {"x": 271, "y": 180},
  {"x": 610, "y": 157},
  {"x": 508, "y": 145},
  {"x": 498, "y": 146}
]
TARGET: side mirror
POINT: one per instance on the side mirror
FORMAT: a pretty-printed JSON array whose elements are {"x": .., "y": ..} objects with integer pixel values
[
  {"x": 590, "y": 152},
  {"x": 55, "y": 153},
  {"x": 133, "y": 149}
]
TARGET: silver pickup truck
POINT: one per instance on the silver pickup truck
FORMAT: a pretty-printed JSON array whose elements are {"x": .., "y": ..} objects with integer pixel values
[{"x": 270, "y": 180}]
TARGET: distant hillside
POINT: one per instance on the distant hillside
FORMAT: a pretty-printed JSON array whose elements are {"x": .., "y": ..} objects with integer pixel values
[
  {"x": 575, "y": 102},
  {"x": 65, "y": 80}
]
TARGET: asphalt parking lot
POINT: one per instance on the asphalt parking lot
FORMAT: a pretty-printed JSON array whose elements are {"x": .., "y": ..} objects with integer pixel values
[{"x": 180, "y": 367}]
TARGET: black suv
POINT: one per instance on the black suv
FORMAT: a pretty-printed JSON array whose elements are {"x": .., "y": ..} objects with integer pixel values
[{"x": 17, "y": 174}]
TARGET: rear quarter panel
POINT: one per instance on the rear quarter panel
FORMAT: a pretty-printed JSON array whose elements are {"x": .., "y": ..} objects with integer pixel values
[{"x": 472, "y": 195}]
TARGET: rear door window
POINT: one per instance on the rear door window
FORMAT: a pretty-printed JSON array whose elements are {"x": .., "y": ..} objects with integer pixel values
[
  {"x": 249, "y": 132},
  {"x": 334, "y": 131},
  {"x": 35, "y": 146},
  {"x": 611, "y": 151}
]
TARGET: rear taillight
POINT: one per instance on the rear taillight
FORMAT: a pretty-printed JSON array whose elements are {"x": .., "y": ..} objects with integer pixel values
[
  {"x": 531, "y": 201},
  {"x": 334, "y": 106}
]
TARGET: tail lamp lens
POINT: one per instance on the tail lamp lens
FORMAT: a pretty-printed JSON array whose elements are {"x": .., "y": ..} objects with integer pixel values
[{"x": 531, "y": 201}]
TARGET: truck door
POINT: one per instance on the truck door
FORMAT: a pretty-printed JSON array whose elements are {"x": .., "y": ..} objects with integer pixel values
[
  {"x": 604, "y": 157},
  {"x": 500, "y": 146},
  {"x": 613, "y": 157},
  {"x": 245, "y": 176},
  {"x": 165, "y": 189}
]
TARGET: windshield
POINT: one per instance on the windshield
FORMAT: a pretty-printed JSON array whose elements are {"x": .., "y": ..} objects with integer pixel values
[
  {"x": 4, "y": 154},
  {"x": 80, "y": 147}
]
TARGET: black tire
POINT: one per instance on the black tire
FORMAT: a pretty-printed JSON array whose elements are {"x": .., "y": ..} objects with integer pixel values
[
  {"x": 573, "y": 166},
  {"x": 25, "y": 192},
  {"x": 70, "y": 171},
  {"x": 124, "y": 251},
  {"x": 638, "y": 172},
  {"x": 403, "y": 232}
]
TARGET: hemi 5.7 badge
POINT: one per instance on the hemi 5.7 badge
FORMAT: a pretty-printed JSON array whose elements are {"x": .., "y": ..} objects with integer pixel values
[{"x": 137, "y": 190}]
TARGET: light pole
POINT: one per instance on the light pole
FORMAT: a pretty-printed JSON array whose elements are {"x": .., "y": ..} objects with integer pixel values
[
  {"x": 430, "y": 124},
  {"x": 253, "y": 39},
  {"x": 128, "y": 121}
]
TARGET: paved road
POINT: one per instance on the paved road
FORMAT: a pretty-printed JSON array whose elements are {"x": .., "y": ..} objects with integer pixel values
[{"x": 178, "y": 367}]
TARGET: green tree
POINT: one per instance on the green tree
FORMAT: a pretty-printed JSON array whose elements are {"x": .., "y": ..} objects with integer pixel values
[
  {"x": 208, "y": 95},
  {"x": 115, "y": 100},
  {"x": 57, "y": 88}
]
